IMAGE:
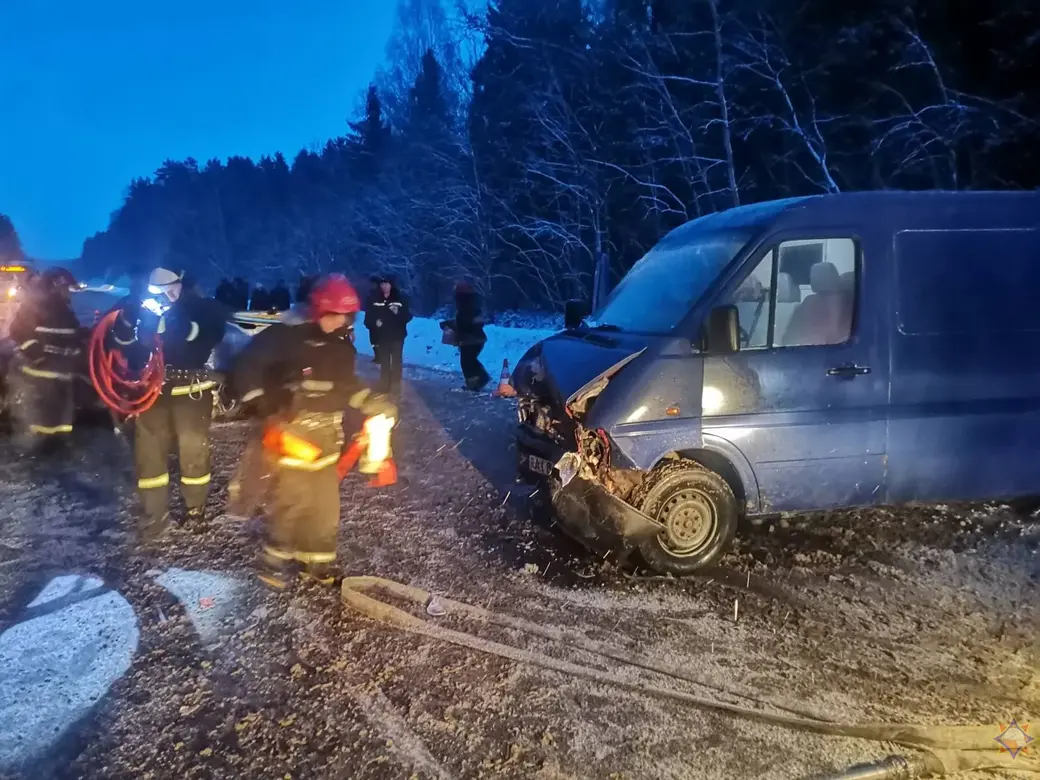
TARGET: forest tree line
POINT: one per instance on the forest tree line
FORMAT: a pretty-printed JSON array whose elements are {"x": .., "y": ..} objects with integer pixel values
[{"x": 514, "y": 144}]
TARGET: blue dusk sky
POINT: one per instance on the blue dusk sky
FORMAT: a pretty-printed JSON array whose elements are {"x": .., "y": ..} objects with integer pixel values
[{"x": 96, "y": 92}]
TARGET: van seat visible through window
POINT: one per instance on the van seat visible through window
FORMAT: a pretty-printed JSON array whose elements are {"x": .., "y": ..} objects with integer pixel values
[
  {"x": 825, "y": 316},
  {"x": 786, "y": 290}
]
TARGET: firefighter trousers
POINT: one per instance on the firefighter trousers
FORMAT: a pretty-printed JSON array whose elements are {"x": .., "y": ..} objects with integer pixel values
[
  {"x": 303, "y": 505},
  {"x": 184, "y": 419},
  {"x": 44, "y": 400}
]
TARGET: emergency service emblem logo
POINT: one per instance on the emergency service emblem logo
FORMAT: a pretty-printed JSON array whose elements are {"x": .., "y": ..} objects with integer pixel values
[{"x": 1014, "y": 738}]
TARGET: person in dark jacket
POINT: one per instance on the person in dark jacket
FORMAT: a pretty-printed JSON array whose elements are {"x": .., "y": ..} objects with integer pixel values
[
  {"x": 373, "y": 293},
  {"x": 50, "y": 344},
  {"x": 225, "y": 293},
  {"x": 279, "y": 297},
  {"x": 302, "y": 379},
  {"x": 260, "y": 300},
  {"x": 386, "y": 317},
  {"x": 469, "y": 330},
  {"x": 188, "y": 331},
  {"x": 240, "y": 296}
]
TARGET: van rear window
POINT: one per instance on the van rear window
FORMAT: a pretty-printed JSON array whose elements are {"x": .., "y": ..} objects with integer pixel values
[{"x": 967, "y": 281}]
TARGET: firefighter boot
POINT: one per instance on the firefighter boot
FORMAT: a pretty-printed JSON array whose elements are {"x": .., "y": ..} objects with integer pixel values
[
  {"x": 150, "y": 534},
  {"x": 321, "y": 574},
  {"x": 50, "y": 446},
  {"x": 274, "y": 570},
  {"x": 195, "y": 520}
]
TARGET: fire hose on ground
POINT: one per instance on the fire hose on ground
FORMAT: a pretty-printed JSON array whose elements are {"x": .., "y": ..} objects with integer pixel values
[
  {"x": 125, "y": 391},
  {"x": 945, "y": 750}
]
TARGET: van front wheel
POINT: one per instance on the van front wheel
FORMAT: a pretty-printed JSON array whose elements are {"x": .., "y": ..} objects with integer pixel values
[{"x": 698, "y": 512}]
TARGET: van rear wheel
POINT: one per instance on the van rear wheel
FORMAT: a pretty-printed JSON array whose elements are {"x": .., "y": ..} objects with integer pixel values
[{"x": 698, "y": 512}]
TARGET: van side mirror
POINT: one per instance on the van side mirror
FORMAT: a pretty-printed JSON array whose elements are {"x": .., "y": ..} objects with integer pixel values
[
  {"x": 720, "y": 333},
  {"x": 573, "y": 313}
]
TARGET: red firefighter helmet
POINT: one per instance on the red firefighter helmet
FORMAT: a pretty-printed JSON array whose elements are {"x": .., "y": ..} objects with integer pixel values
[{"x": 333, "y": 294}]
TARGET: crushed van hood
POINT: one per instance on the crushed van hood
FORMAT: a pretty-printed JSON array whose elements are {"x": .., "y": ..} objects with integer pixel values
[{"x": 560, "y": 367}]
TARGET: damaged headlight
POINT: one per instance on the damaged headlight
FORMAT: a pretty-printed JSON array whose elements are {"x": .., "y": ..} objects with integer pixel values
[
  {"x": 567, "y": 467},
  {"x": 530, "y": 371}
]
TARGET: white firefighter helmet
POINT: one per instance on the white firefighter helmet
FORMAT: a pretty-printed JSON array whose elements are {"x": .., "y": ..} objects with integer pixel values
[{"x": 161, "y": 278}]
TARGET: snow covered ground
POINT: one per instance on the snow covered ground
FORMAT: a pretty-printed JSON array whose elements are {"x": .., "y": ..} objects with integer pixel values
[
  {"x": 179, "y": 665},
  {"x": 423, "y": 346}
]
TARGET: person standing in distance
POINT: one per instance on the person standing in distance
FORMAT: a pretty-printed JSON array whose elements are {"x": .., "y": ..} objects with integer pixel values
[
  {"x": 386, "y": 317},
  {"x": 469, "y": 329}
]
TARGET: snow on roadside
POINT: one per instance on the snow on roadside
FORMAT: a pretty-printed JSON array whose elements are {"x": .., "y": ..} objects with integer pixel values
[{"x": 423, "y": 346}]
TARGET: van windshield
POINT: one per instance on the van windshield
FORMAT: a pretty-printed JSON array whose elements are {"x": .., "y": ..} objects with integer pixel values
[{"x": 663, "y": 286}]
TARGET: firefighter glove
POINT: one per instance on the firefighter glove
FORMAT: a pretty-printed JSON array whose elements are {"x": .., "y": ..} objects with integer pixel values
[{"x": 371, "y": 404}]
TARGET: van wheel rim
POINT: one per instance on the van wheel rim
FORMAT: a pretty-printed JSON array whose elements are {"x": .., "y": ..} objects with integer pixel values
[{"x": 690, "y": 521}]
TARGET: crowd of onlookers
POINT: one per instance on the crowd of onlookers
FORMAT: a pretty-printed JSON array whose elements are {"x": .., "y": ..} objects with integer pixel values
[
  {"x": 235, "y": 294},
  {"x": 387, "y": 314}
]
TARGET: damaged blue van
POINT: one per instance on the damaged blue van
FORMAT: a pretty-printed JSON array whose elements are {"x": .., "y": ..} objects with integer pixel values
[{"x": 815, "y": 353}]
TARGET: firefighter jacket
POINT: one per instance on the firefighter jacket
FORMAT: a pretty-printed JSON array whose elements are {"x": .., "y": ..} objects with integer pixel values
[
  {"x": 188, "y": 331},
  {"x": 387, "y": 317},
  {"x": 300, "y": 369},
  {"x": 49, "y": 338}
]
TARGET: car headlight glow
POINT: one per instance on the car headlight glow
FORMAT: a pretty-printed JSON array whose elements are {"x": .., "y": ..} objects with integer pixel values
[{"x": 12, "y": 292}]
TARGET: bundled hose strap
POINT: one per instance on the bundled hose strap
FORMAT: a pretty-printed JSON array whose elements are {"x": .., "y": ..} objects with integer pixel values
[
  {"x": 948, "y": 749},
  {"x": 126, "y": 392}
]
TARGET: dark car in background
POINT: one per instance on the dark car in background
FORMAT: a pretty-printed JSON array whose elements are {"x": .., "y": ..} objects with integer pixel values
[{"x": 817, "y": 353}]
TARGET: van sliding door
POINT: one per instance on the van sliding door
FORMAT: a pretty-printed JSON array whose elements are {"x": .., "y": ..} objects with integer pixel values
[{"x": 965, "y": 414}]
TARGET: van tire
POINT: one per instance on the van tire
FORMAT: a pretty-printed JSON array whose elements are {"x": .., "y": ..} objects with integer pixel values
[{"x": 699, "y": 512}]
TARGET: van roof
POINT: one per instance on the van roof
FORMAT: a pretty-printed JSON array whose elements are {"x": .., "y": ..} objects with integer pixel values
[{"x": 839, "y": 204}]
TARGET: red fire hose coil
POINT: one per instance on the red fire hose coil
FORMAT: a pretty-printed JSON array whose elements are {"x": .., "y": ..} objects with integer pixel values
[{"x": 124, "y": 391}]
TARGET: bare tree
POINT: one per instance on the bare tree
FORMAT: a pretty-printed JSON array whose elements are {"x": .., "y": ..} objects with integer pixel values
[
  {"x": 421, "y": 26},
  {"x": 688, "y": 118},
  {"x": 923, "y": 121},
  {"x": 758, "y": 52}
]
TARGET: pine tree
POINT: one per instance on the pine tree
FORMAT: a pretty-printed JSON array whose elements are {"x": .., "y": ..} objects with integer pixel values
[{"x": 369, "y": 142}]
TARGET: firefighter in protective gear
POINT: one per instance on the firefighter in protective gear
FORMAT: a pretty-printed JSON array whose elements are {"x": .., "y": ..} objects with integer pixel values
[
  {"x": 301, "y": 377},
  {"x": 50, "y": 346},
  {"x": 188, "y": 330}
]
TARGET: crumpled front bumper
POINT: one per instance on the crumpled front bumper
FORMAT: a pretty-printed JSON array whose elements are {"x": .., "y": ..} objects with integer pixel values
[{"x": 589, "y": 513}]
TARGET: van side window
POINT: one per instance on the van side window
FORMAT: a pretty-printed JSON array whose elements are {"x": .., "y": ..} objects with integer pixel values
[
  {"x": 814, "y": 297},
  {"x": 754, "y": 302}
]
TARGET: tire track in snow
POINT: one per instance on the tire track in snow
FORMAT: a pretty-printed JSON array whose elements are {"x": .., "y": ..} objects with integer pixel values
[{"x": 406, "y": 743}]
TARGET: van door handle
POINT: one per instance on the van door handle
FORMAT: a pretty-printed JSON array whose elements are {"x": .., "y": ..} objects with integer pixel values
[{"x": 848, "y": 371}]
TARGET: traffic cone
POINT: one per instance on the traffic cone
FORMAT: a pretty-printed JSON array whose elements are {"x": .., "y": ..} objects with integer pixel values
[{"x": 504, "y": 389}]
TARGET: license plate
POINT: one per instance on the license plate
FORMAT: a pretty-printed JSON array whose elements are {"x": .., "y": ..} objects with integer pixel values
[{"x": 539, "y": 466}]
